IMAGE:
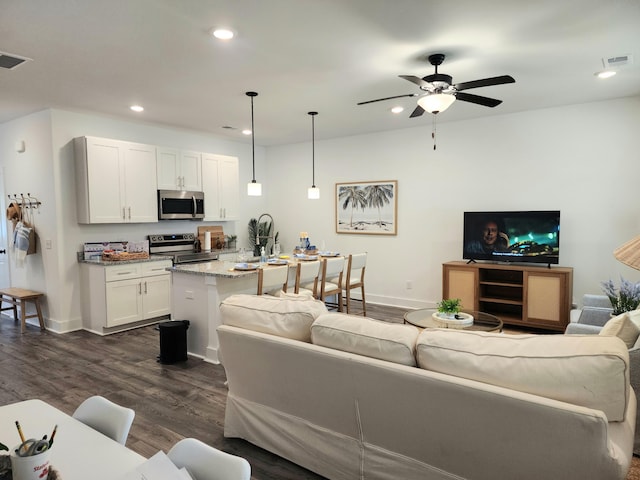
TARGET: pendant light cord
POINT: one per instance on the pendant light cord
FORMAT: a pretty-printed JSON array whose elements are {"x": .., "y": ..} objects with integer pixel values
[
  {"x": 313, "y": 148},
  {"x": 253, "y": 138}
]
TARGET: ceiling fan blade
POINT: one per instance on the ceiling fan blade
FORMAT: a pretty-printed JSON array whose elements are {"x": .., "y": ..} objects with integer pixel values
[
  {"x": 388, "y": 98},
  {"x": 485, "y": 82},
  {"x": 485, "y": 101},
  {"x": 417, "y": 112},
  {"x": 417, "y": 80}
]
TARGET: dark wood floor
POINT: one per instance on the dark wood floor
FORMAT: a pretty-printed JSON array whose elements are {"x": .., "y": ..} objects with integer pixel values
[{"x": 171, "y": 402}]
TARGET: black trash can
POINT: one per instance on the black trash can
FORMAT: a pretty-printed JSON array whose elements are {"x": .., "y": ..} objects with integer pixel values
[{"x": 173, "y": 341}]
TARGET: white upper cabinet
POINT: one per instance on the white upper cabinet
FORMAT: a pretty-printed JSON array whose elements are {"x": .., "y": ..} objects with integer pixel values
[
  {"x": 179, "y": 170},
  {"x": 116, "y": 181},
  {"x": 220, "y": 180}
]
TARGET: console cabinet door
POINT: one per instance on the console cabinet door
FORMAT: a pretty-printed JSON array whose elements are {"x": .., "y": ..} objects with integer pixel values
[
  {"x": 462, "y": 284},
  {"x": 156, "y": 291},
  {"x": 544, "y": 299}
]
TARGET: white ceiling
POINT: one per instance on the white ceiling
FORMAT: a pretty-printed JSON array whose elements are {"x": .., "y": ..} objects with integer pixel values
[{"x": 301, "y": 55}]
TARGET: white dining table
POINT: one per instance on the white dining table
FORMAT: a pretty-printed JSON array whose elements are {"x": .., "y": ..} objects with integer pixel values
[{"x": 78, "y": 451}]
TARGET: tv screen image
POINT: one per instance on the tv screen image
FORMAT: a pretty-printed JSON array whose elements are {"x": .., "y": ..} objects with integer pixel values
[{"x": 522, "y": 236}]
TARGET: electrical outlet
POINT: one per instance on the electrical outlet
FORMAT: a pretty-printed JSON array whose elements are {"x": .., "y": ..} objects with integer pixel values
[
  {"x": 188, "y": 294},
  {"x": 409, "y": 284},
  {"x": 47, "y": 244}
]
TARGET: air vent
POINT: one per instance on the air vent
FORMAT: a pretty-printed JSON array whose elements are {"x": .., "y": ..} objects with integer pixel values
[
  {"x": 617, "y": 61},
  {"x": 11, "y": 61}
]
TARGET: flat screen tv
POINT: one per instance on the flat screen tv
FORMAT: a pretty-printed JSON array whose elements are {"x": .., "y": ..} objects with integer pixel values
[{"x": 527, "y": 236}]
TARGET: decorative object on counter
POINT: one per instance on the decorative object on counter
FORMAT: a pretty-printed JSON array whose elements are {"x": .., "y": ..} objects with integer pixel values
[
  {"x": 230, "y": 241},
  {"x": 367, "y": 207},
  {"x": 624, "y": 299},
  {"x": 206, "y": 246},
  {"x": 313, "y": 192},
  {"x": 217, "y": 236},
  {"x": 261, "y": 234},
  {"x": 254, "y": 189}
]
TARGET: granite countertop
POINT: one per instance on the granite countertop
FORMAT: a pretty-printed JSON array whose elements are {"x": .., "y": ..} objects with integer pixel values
[
  {"x": 152, "y": 258},
  {"x": 215, "y": 268}
]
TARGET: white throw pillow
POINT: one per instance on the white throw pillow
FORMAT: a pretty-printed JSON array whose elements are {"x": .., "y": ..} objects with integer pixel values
[
  {"x": 393, "y": 342},
  {"x": 587, "y": 370},
  {"x": 622, "y": 327},
  {"x": 287, "y": 316}
]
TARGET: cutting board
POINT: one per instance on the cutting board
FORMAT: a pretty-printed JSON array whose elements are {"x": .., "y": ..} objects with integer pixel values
[{"x": 217, "y": 236}]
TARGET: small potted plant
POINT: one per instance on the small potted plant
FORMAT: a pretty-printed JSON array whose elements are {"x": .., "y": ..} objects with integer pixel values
[
  {"x": 450, "y": 307},
  {"x": 624, "y": 299}
]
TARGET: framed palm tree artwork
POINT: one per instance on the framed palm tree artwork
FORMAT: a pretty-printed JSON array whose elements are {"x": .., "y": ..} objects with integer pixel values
[{"x": 367, "y": 207}]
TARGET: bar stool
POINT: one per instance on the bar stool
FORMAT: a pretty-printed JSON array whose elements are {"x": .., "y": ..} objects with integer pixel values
[
  {"x": 355, "y": 279},
  {"x": 307, "y": 277},
  {"x": 331, "y": 281},
  {"x": 272, "y": 280}
]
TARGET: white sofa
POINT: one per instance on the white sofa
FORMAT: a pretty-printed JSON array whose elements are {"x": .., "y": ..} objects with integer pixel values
[{"x": 436, "y": 404}]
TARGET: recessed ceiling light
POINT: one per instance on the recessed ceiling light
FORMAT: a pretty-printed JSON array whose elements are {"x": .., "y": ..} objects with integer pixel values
[
  {"x": 137, "y": 108},
  {"x": 246, "y": 131},
  {"x": 605, "y": 74},
  {"x": 397, "y": 109},
  {"x": 223, "y": 33}
]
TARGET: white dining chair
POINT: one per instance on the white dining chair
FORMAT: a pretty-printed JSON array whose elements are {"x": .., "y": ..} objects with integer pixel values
[
  {"x": 272, "y": 280},
  {"x": 106, "y": 417},
  {"x": 204, "y": 462},
  {"x": 330, "y": 281},
  {"x": 354, "y": 278},
  {"x": 307, "y": 278}
]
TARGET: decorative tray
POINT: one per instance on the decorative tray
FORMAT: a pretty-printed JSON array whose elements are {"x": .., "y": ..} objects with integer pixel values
[
  {"x": 459, "y": 320},
  {"x": 245, "y": 266}
]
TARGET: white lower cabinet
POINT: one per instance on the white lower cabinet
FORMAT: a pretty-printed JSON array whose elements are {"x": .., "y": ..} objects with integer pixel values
[{"x": 120, "y": 295}]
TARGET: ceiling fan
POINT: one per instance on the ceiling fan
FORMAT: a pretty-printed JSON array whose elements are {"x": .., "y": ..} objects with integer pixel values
[{"x": 438, "y": 92}]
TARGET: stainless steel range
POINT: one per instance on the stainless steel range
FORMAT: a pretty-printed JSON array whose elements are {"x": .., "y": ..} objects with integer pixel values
[{"x": 180, "y": 246}]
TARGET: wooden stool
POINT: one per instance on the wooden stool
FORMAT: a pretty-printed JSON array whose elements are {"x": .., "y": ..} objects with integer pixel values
[{"x": 20, "y": 297}]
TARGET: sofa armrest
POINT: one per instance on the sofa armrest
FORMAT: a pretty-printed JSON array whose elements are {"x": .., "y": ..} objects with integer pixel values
[{"x": 582, "y": 329}]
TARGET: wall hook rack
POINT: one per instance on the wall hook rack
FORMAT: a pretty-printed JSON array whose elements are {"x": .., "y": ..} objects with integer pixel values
[{"x": 25, "y": 201}]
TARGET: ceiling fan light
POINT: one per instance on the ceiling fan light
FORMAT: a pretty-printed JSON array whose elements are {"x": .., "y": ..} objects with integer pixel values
[
  {"x": 313, "y": 193},
  {"x": 254, "y": 189},
  {"x": 436, "y": 102}
]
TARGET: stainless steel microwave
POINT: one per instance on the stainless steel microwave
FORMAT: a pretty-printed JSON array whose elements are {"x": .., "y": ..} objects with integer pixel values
[{"x": 180, "y": 205}]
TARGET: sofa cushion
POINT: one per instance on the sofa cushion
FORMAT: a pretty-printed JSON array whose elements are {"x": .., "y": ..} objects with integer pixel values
[
  {"x": 622, "y": 327},
  {"x": 393, "y": 342},
  {"x": 587, "y": 370},
  {"x": 288, "y": 316}
]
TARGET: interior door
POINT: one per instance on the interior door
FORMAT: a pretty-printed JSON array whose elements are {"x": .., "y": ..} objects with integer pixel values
[{"x": 5, "y": 278}]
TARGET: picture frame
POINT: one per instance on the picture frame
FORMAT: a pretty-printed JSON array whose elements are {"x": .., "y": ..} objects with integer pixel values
[{"x": 369, "y": 207}]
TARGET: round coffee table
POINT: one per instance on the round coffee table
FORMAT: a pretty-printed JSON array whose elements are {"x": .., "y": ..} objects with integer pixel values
[{"x": 482, "y": 322}]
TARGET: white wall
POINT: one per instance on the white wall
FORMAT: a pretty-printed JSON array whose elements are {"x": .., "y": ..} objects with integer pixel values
[{"x": 581, "y": 159}]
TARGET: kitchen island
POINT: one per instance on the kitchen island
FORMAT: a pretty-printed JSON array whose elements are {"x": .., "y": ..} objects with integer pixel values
[{"x": 196, "y": 293}]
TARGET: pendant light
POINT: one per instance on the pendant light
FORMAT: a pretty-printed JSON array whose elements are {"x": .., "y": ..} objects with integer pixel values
[
  {"x": 313, "y": 192},
  {"x": 254, "y": 189}
]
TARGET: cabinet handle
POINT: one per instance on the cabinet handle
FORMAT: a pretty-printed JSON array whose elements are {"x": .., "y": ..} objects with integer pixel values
[
  {"x": 124, "y": 273},
  {"x": 140, "y": 288},
  {"x": 129, "y": 213},
  {"x": 145, "y": 287},
  {"x": 124, "y": 217},
  {"x": 225, "y": 213}
]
